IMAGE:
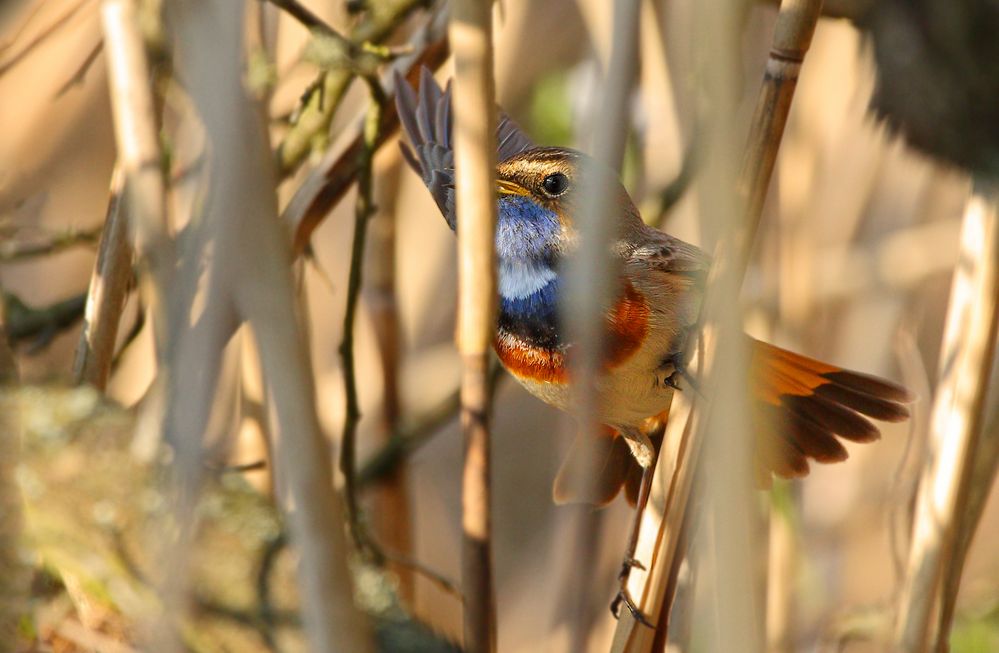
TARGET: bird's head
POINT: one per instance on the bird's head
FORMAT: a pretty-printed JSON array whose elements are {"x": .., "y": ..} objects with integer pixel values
[{"x": 542, "y": 191}]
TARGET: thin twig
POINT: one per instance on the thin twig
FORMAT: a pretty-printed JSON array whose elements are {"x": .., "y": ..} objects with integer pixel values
[
  {"x": 414, "y": 434},
  {"x": 966, "y": 358},
  {"x": 42, "y": 323},
  {"x": 137, "y": 138},
  {"x": 106, "y": 296},
  {"x": 591, "y": 282},
  {"x": 12, "y": 250},
  {"x": 304, "y": 15},
  {"x": 363, "y": 212},
  {"x": 475, "y": 163},
  {"x": 334, "y": 175},
  {"x": 677, "y": 188},
  {"x": 314, "y": 118},
  {"x": 45, "y": 33},
  {"x": 80, "y": 74}
]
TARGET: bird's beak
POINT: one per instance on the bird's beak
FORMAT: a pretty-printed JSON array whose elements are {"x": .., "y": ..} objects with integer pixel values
[{"x": 504, "y": 187}]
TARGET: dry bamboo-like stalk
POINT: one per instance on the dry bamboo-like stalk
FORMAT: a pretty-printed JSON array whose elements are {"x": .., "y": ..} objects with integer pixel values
[
  {"x": 792, "y": 36},
  {"x": 470, "y": 34},
  {"x": 662, "y": 525},
  {"x": 137, "y": 138},
  {"x": 738, "y": 628},
  {"x": 106, "y": 296},
  {"x": 247, "y": 278},
  {"x": 966, "y": 358},
  {"x": 591, "y": 280},
  {"x": 391, "y": 512}
]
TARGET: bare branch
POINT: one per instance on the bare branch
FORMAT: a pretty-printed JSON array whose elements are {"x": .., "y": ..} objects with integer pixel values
[
  {"x": 12, "y": 250},
  {"x": 363, "y": 212}
]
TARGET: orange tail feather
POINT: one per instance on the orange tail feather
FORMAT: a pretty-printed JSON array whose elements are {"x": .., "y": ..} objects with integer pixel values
[{"x": 802, "y": 406}]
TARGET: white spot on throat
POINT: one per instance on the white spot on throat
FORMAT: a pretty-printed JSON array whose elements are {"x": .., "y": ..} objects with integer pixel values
[{"x": 520, "y": 279}]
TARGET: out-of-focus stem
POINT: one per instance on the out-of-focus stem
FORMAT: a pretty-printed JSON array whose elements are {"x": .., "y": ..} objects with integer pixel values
[
  {"x": 106, "y": 295},
  {"x": 966, "y": 358},
  {"x": 391, "y": 511},
  {"x": 247, "y": 278},
  {"x": 475, "y": 194},
  {"x": 363, "y": 212},
  {"x": 723, "y": 431},
  {"x": 137, "y": 138},
  {"x": 591, "y": 282}
]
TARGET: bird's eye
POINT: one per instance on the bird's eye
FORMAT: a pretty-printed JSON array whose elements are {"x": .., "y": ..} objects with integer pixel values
[{"x": 555, "y": 184}]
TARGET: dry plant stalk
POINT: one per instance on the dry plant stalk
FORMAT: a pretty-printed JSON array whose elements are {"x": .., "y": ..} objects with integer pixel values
[
  {"x": 137, "y": 138},
  {"x": 392, "y": 517},
  {"x": 590, "y": 283},
  {"x": 958, "y": 414},
  {"x": 793, "y": 32},
  {"x": 475, "y": 197},
  {"x": 661, "y": 534},
  {"x": 591, "y": 276},
  {"x": 248, "y": 278},
  {"x": 106, "y": 295}
]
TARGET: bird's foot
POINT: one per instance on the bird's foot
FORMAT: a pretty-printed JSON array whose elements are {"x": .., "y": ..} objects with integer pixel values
[
  {"x": 679, "y": 365},
  {"x": 624, "y": 598},
  {"x": 627, "y": 565}
]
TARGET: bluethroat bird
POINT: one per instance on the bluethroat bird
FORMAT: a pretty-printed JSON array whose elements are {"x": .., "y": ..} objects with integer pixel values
[{"x": 802, "y": 405}]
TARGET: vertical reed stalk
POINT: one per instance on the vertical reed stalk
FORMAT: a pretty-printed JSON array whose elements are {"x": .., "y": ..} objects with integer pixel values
[
  {"x": 475, "y": 192},
  {"x": 137, "y": 138},
  {"x": 106, "y": 295},
  {"x": 730, "y": 488},
  {"x": 394, "y": 524},
  {"x": 966, "y": 358},
  {"x": 591, "y": 281}
]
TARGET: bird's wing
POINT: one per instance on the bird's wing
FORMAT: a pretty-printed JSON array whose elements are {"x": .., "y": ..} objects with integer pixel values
[
  {"x": 661, "y": 252},
  {"x": 426, "y": 122}
]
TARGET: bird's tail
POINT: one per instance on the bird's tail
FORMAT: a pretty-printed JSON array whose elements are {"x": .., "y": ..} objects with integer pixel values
[{"x": 800, "y": 408}]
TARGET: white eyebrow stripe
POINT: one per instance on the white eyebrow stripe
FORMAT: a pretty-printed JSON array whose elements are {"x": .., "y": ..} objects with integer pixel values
[{"x": 520, "y": 279}]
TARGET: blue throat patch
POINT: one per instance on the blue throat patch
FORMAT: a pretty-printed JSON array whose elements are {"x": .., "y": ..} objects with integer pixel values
[{"x": 533, "y": 318}]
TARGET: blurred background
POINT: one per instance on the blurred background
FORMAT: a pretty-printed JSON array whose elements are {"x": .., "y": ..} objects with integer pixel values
[{"x": 853, "y": 266}]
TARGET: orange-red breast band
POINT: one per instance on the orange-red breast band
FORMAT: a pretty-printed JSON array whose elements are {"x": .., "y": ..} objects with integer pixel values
[{"x": 627, "y": 328}]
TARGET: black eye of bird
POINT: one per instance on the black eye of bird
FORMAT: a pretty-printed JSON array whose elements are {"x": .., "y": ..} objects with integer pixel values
[{"x": 555, "y": 184}]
